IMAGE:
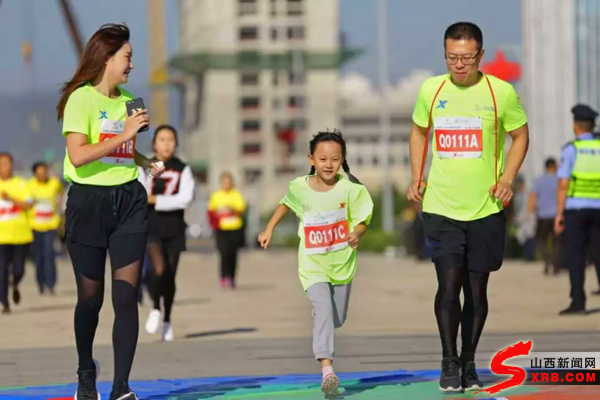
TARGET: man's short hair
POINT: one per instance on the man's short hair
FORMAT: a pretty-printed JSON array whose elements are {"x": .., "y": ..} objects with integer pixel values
[{"x": 464, "y": 31}]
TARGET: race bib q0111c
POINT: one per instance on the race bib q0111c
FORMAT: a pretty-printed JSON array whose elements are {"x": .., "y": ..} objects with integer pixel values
[
  {"x": 325, "y": 232},
  {"x": 458, "y": 137}
]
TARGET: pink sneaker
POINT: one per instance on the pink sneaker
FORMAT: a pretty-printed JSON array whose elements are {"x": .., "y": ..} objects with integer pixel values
[
  {"x": 231, "y": 283},
  {"x": 330, "y": 385},
  {"x": 224, "y": 283}
]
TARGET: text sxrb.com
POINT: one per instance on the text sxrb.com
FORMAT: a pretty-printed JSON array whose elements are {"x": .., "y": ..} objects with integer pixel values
[
  {"x": 552, "y": 368},
  {"x": 560, "y": 368}
]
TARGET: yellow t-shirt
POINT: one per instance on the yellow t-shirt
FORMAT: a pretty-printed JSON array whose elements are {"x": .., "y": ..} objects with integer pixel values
[
  {"x": 229, "y": 205},
  {"x": 463, "y": 143},
  {"x": 99, "y": 118},
  {"x": 43, "y": 216},
  {"x": 14, "y": 225}
]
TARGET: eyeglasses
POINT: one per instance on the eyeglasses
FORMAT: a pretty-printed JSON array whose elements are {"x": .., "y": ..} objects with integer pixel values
[{"x": 466, "y": 60}]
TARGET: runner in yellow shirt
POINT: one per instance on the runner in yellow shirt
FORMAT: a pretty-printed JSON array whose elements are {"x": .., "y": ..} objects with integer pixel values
[
  {"x": 15, "y": 233},
  {"x": 225, "y": 210},
  {"x": 44, "y": 219},
  {"x": 470, "y": 113}
]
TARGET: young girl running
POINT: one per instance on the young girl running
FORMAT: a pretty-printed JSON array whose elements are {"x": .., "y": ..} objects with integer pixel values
[
  {"x": 334, "y": 213},
  {"x": 168, "y": 197},
  {"x": 107, "y": 207}
]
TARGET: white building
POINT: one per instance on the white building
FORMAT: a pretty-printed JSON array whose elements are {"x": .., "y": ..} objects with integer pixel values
[
  {"x": 561, "y": 53},
  {"x": 360, "y": 124},
  {"x": 252, "y": 68},
  {"x": 249, "y": 69}
]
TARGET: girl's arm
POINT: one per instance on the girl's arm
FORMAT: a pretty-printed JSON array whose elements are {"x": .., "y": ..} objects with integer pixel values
[
  {"x": 355, "y": 236},
  {"x": 142, "y": 161},
  {"x": 156, "y": 167},
  {"x": 264, "y": 238}
]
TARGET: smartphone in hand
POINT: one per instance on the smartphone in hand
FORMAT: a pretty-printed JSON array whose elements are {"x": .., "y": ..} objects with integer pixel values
[{"x": 135, "y": 105}]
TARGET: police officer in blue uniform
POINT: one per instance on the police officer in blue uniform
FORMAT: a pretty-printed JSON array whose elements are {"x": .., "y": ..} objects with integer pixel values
[{"x": 578, "y": 203}]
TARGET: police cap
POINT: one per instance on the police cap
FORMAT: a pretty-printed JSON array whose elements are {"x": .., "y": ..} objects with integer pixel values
[{"x": 582, "y": 112}]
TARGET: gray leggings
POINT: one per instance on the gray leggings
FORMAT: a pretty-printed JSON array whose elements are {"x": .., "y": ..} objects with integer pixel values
[{"x": 330, "y": 307}]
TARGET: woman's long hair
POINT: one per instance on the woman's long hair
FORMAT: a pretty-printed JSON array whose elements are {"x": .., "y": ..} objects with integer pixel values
[{"x": 102, "y": 46}]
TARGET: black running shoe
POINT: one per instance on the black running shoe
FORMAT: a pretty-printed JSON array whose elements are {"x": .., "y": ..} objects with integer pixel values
[
  {"x": 450, "y": 376},
  {"x": 469, "y": 378},
  {"x": 573, "y": 310},
  {"x": 16, "y": 295},
  {"x": 121, "y": 391},
  {"x": 86, "y": 388}
]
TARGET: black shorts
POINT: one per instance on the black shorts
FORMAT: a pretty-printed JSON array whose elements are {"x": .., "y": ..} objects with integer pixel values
[
  {"x": 95, "y": 214},
  {"x": 478, "y": 244},
  {"x": 172, "y": 245},
  {"x": 101, "y": 218}
]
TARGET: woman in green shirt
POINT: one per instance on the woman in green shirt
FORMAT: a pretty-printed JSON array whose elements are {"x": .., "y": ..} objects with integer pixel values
[{"x": 107, "y": 206}]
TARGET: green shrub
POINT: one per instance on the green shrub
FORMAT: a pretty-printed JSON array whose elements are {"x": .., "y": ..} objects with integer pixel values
[{"x": 377, "y": 241}]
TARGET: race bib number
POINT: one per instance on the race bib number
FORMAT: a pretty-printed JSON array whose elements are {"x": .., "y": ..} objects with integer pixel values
[
  {"x": 8, "y": 210},
  {"x": 458, "y": 137},
  {"x": 325, "y": 232},
  {"x": 123, "y": 155},
  {"x": 43, "y": 211}
]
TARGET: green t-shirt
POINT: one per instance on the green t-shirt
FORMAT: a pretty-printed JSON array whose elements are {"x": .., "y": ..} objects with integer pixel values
[
  {"x": 99, "y": 118},
  {"x": 326, "y": 219},
  {"x": 462, "y": 169}
]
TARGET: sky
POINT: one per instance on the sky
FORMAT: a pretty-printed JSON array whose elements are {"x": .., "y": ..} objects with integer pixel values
[
  {"x": 415, "y": 32},
  {"x": 416, "y": 29}
]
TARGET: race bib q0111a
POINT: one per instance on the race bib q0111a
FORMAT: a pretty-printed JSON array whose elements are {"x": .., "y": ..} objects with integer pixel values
[{"x": 458, "y": 137}]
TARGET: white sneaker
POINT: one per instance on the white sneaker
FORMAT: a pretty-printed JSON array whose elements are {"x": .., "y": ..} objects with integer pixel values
[
  {"x": 153, "y": 322},
  {"x": 168, "y": 335}
]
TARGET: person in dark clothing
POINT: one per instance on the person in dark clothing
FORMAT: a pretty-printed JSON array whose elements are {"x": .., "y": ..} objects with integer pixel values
[
  {"x": 168, "y": 197},
  {"x": 542, "y": 201}
]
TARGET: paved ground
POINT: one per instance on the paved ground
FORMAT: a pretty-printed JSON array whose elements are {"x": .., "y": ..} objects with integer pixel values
[{"x": 264, "y": 327}]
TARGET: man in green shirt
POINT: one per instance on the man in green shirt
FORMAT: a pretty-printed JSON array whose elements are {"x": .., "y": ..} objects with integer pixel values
[{"x": 470, "y": 114}]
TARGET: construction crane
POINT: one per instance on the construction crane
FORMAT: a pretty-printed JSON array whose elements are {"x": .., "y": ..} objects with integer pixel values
[
  {"x": 157, "y": 63},
  {"x": 65, "y": 6}
]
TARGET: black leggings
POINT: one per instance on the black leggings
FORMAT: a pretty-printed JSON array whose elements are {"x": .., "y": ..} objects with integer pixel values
[
  {"x": 448, "y": 310},
  {"x": 126, "y": 255},
  {"x": 228, "y": 243},
  {"x": 12, "y": 262},
  {"x": 164, "y": 267}
]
